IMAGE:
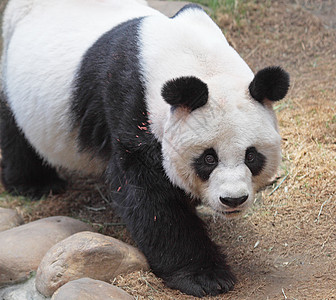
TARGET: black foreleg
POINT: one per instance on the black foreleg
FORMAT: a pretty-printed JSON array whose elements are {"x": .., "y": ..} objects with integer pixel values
[{"x": 171, "y": 235}]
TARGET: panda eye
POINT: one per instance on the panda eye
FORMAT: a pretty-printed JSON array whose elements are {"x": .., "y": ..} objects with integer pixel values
[
  {"x": 210, "y": 159},
  {"x": 250, "y": 156}
]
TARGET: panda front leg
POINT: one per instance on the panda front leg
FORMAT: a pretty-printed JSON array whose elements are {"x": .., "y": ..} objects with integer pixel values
[
  {"x": 23, "y": 172},
  {"x": 170, "y": 234}
]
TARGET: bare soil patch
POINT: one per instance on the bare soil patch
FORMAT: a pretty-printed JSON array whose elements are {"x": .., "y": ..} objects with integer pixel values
[{"x": 285, "y": 247}]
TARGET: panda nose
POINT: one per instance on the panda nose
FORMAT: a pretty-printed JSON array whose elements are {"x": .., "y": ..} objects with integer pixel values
[{"x": 233, "y": 202}]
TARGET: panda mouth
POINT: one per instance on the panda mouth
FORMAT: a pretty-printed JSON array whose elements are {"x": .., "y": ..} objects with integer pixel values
[
  {"x": 231, "y": 212},
  {"x": 226, "y": 214}
]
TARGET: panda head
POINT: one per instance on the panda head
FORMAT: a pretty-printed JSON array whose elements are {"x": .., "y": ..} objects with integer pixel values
[{"x": 221, "y": 142}]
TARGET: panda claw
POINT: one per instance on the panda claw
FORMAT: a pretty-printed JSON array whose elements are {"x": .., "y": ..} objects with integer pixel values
[{"x": 212, "y": 282}]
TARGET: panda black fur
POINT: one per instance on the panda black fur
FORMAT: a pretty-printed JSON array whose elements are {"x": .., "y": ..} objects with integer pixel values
[{"x": 161, "y": 108}]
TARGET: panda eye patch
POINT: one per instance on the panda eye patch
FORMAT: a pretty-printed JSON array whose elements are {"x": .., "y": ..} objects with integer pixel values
[
  {"x": 206, "y": 163},
  {"x": 254, "y": 160}
]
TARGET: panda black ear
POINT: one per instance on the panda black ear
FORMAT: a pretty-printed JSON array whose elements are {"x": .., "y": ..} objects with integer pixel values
[
  {"x": 187, "y": 91},
  {"x": 271, "y": 83}
]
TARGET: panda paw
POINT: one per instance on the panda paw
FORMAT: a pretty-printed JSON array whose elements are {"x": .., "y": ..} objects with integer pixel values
[
  {"x": 36, "y": 192},
  {"x": 211, "y": 281}
]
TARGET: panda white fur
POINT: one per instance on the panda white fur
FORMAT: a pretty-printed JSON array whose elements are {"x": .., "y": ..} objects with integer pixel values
[{"x": 162, "y": 108}]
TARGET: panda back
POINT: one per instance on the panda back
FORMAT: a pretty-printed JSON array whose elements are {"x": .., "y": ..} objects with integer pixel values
[{"x": 43, "y": 52}]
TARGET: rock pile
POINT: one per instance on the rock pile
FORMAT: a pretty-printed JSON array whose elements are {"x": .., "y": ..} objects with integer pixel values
[
  {"x": 67, "y": 256},
  {"x": 83, "y": 255},
  {"x": 23, "y": 247}
]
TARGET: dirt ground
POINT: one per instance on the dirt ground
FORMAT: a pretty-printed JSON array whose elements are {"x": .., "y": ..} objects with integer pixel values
[{"x": 285, "y": 247}]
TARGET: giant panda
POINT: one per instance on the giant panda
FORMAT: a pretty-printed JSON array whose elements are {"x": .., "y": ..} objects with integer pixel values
[{"x": 161, "y": 109}]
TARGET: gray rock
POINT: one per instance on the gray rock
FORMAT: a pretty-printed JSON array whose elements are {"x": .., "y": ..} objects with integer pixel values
[
  {"x": 9, "y": 218},
  {"x": 169, "y": 8},
  {"x": 23, "y": 247},
  {"x": 86, "y": 254},
  {"x": 90, "y": 289},
  {"x": 22, "y": 291}
]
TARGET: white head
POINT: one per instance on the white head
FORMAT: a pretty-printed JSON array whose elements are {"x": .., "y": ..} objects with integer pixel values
[
  {"x": 213, "y": 116},
  {"x": 222, "y": 144}
]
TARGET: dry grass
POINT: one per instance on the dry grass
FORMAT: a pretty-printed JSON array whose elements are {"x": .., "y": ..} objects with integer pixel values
[{"x": 286, "y": 245}]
